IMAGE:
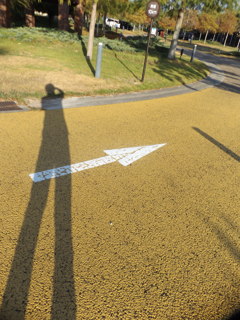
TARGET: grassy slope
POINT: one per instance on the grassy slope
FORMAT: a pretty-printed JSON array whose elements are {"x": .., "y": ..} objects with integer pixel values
[{"x": 31, "y": 58}]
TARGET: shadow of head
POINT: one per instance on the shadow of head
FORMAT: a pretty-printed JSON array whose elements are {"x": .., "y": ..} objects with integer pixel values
[
  {"x": 53, "y": 92},
  {"x": 53, "y": 97}
]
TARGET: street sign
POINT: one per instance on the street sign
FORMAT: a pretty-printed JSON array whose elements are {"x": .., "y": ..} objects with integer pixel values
[
  {"x": 152, "y": 11},
  {"x": 153, "y": 8}
]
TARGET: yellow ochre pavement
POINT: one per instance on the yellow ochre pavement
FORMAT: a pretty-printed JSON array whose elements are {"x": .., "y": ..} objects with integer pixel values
[{"x": 158, "y": 239}]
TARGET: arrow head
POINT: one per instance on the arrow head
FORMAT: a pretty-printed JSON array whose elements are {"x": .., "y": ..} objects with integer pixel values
[{"x": 130, "y": 155}]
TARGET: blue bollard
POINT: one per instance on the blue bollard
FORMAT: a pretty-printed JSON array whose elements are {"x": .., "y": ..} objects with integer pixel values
[{"x": 99, "y": 60}]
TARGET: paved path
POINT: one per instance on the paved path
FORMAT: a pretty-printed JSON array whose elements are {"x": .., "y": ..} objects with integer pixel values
[{"x": 157, "y": 239}]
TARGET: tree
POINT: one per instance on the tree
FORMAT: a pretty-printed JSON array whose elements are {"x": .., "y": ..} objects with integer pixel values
[
  {"x": 79, "y": 15},
  {"x": 114, "y": 6},
  {"x": 166, "y": 22},
  {"x": 173, "y": 46},
  {"x": 136, "y": 12},
  {"x": 181, "y": 7},
  {"x": 5, "y": 13},
  {"x": 63, "y": 14},
  {"x": 92, "y": 29},
  {"x": 191, "y": 20},
  {"x": 227, "y": 23},
  {"x": 207, "y": 22},
  {"x": 29, "y": 14}
]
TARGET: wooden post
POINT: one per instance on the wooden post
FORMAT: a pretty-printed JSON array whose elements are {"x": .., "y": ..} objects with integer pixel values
[{"x": 146, "y": 54}]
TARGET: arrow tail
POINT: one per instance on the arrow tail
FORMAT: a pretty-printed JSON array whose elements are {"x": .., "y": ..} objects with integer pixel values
[{"x": 73, "y": 168}]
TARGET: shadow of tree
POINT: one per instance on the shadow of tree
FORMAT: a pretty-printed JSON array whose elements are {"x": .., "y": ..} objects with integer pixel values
[
  {"x": 168, "y": 69},
  {"x": 3, "y": 51},
  {"x": 84, "y": 50},
  {"x": 173, "y": 70},
  {"x": 122, "y": 63},
  {"x": 219, "y": 232}
]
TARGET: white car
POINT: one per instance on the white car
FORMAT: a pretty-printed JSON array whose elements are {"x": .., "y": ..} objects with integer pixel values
[{"x": 113, "y": 23}]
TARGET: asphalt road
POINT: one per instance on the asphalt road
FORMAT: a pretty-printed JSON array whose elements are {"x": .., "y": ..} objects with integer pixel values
[{"x": 157, "y": 239}]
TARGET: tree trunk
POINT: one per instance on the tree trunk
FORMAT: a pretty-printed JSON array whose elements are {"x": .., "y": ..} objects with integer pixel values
[
  {"x": 238, "y": 45},
  {"x": 213, "y": 39},
  {"x": 225, "y": 39},
  {"x": 174, "y": 42},
  {"x": 63, "y": 12},
  {"x": 104, "y": 23},
  {"x": 200, "y": 36},
  {"x": 5, "y": 13},
  {"x": 50, "y": 19},
  {"x": 29, "y": 17},
  {"x": 79, "y": 18},
  {"x": 205, "y": 39},
  {"x": 91, "y": 30}
]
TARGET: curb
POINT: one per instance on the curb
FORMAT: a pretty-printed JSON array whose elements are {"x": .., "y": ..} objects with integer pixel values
[{"x": 215, "y": 77}]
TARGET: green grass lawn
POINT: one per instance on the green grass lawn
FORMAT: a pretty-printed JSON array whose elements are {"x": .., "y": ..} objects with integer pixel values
[{"x": 32, "y": 58}]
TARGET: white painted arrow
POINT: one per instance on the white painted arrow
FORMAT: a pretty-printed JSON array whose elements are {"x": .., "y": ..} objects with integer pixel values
[{"x": 125, "y": 156}]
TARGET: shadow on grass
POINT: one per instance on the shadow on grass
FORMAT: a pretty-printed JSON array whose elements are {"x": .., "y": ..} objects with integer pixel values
[
  {"x": 3, "y": 52},
  {"x": 122, "y": 63},
  {"x": 84, "y": 50},
  {"x": 173, "y": 70}
]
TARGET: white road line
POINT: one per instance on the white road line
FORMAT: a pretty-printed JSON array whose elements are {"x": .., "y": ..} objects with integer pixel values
[{"x": 125, "y": 156}]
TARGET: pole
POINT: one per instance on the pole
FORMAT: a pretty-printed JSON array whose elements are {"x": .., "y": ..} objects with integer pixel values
[
  {"x": 146, "y": 54},
  {"x": 193, "y": 53},
  {"x": 99, "y": 60}
]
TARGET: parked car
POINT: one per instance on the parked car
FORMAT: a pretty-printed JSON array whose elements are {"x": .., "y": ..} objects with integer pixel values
[
  {"x": 113, "y": 23},
  {"x": 125, "y": 25}
]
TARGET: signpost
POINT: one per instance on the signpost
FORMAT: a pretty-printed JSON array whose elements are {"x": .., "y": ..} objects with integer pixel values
[{"x": 152, "y": 11}]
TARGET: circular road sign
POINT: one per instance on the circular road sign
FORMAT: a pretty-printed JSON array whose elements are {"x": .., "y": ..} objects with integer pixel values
[{"x": 153, "y": 8}]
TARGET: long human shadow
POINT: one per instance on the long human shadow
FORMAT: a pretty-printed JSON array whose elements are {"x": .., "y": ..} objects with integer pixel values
[{"x": 54, "y": 152}]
